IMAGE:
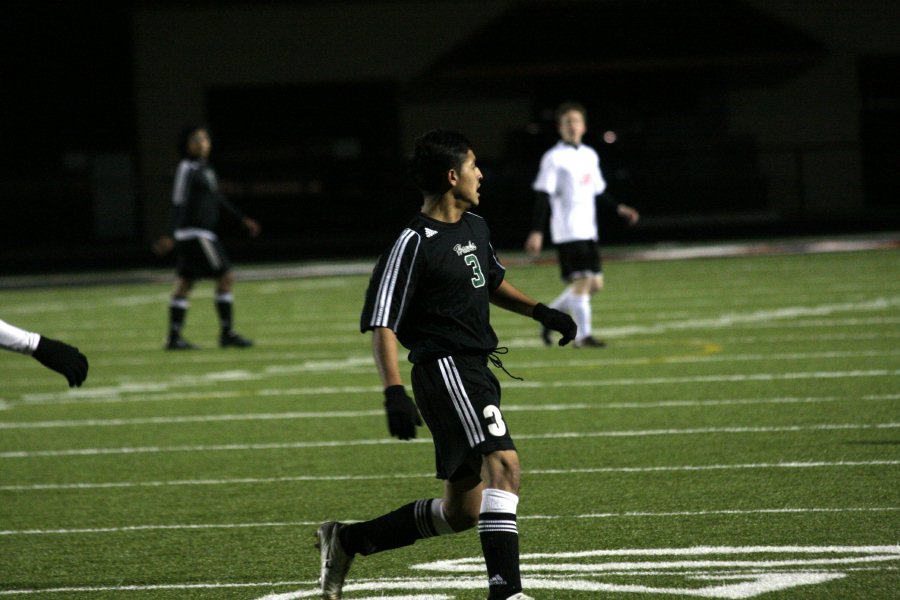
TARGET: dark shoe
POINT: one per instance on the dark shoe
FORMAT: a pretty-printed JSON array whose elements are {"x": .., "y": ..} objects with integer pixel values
[
  {"x": 334, "y": 561},
  {"x": 589, "y": 342},
  {"x": 179, "y": 343},
  {"x": 234, "y": 340},
  {"x": 545, "y": 336}
]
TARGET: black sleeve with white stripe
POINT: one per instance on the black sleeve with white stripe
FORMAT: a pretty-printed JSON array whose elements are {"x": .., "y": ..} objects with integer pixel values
[{"x": 392, "y": 284}]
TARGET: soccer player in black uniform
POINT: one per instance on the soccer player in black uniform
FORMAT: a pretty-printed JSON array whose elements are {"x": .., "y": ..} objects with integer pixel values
[
  {"x": 431, "y": 292},
  {"x": 196, "y": 206}
]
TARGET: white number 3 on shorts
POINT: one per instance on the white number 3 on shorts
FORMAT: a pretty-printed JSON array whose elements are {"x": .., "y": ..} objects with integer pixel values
[{"x": 496, "y": 426}]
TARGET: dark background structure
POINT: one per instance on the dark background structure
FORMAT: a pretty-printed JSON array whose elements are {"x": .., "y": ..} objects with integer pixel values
[{"x": 716, "y": 118}]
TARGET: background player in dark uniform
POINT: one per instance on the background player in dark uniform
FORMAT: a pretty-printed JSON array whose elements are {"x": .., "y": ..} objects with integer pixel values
[
  {"x": 196, "y": 207},
  {"x": 53, "y": 354},
  {"x": 432, "y": 291}
]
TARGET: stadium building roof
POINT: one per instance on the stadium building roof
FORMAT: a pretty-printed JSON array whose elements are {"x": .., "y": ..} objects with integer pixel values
[{"x": 549, "y": 39}]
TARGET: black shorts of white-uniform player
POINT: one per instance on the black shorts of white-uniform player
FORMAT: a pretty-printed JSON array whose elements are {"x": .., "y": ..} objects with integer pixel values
[
  {"x": 197, "y": 205},
  {"x": 432, "y": 292},
  {"x": 579, "y": 259}
]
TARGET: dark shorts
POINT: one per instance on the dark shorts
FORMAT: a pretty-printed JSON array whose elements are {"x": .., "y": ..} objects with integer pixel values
[
  {"x": 199, "y": 258},
  {"x": 579, "y": 259},
  {"x": 459, "y": 398}
]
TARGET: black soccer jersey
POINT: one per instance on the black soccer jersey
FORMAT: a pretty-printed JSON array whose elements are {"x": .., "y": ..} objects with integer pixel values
[
  {"x": 197, "y": 201},
  {"x": 433, "y": 288}
]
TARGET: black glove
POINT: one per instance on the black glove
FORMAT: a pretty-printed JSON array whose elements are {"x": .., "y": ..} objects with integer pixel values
[
  {"x": 62, "y": 358},
  {"x": 557, "y": 321},
  {"x": 402, "y": 414}
]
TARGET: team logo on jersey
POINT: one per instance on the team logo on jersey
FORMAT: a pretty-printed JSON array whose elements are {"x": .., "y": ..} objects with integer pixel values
[
  {"x": 430, "y": 232},
  {"x": 460, "y": 249}
]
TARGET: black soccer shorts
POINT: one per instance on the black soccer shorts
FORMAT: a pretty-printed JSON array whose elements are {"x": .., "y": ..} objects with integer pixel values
[
  {"x": 200, "y": 257},
  {"x": 459, "y": 398},
  {"x": 579, "y": 259}
]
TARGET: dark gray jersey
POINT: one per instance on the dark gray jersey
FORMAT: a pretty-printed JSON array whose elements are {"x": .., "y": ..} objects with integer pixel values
[
  {"x": 197, "y": 201},
  {"x": 433, "y": 288}
]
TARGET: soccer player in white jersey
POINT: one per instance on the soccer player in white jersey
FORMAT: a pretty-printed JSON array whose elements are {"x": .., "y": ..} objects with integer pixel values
[
  {"x": 53, "y": 354},
  {"x": 568, "y": 185}
]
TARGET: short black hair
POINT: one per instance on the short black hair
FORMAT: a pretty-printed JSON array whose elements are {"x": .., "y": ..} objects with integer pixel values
[
  {"x": 570, "y": 106},
  {"x": 437, "y": 152},
  {"x": 184, "y": 137}
]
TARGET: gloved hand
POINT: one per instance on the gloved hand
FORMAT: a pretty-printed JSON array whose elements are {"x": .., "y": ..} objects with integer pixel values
[
  {"x": 402, "y": 414},
  {"x": 557, "y": 321},
  {"x": 62, "y": 358}
]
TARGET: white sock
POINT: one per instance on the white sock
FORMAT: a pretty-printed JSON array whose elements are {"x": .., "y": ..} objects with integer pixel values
[
  {"x": 563, "y": 301},
  {"x": 581, "y": 313},
  {"x": 498, "y": 501},
  {"x": 439, "y": 519}
]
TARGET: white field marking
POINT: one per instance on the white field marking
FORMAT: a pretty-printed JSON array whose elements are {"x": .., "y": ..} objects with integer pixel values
[
  {"x": 728, "y": 320},
  {"x": 111, "y": 393},
  {"x": 151, "y": 587},
  {"x": 303, "y": 337},
  {"x": 709, "y": 355},
  {"x": 659, "y": 404},
  {"x": 767, "y": 575},
  {"x": 397, "y": 476},
  {"x": 294, "y": 415},
  {"x": 132, "y": 450},
  {"x": 138, "y": 528},
  {"x": 632, "y": 381},
  {"x": 708, "y": 513},
  {"x": 276, "y": 524},
  {"x": 710, "y": 352}
]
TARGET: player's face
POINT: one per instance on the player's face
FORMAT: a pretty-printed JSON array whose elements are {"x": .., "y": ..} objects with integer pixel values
[
  {"x": 468, "y": 180},
  {"x": 572, "y": 127},
  {"x": 199, "y": 145}
]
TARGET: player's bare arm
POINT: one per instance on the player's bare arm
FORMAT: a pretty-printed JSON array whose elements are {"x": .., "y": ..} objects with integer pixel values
[
  {"x": 384, "y": 350},
  {"x": 628, "y": 213},
  {"x": 510, "y": 298}
]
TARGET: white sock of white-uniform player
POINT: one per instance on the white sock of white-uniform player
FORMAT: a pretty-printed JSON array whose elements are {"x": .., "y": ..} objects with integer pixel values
[
  {"x": 562, "y": 302},
  {"x": 581, "y": 313}
]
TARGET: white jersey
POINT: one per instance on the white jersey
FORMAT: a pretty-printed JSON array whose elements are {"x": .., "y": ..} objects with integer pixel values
[
  {"x": 571, "y": 176},
  {"x": 17, "y": 340}
]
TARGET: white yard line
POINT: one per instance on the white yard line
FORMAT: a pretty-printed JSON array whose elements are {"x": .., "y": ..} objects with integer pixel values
[
  {"x": 587, "y": 516},
  {"x": 152, "y": 587},
  {"x": 390, "y": 441},
  {"x": 375, "y": 477},
  {"x": 113, "y": 394}
]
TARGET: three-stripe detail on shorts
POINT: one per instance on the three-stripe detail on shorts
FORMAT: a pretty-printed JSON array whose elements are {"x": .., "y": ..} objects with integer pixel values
[{"x": 461, "y": 402}]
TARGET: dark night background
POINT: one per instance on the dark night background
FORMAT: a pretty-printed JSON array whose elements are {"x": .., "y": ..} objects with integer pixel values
[{"x": 732, "y": 119}]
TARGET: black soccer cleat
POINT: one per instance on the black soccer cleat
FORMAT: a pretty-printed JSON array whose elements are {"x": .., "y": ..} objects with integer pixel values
[
  {"x": 179, "y": 343},
  {"x": 589, "y": 342},
  {"x": 334, "y": 561},
  {"x": 234, "y": 340}
]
